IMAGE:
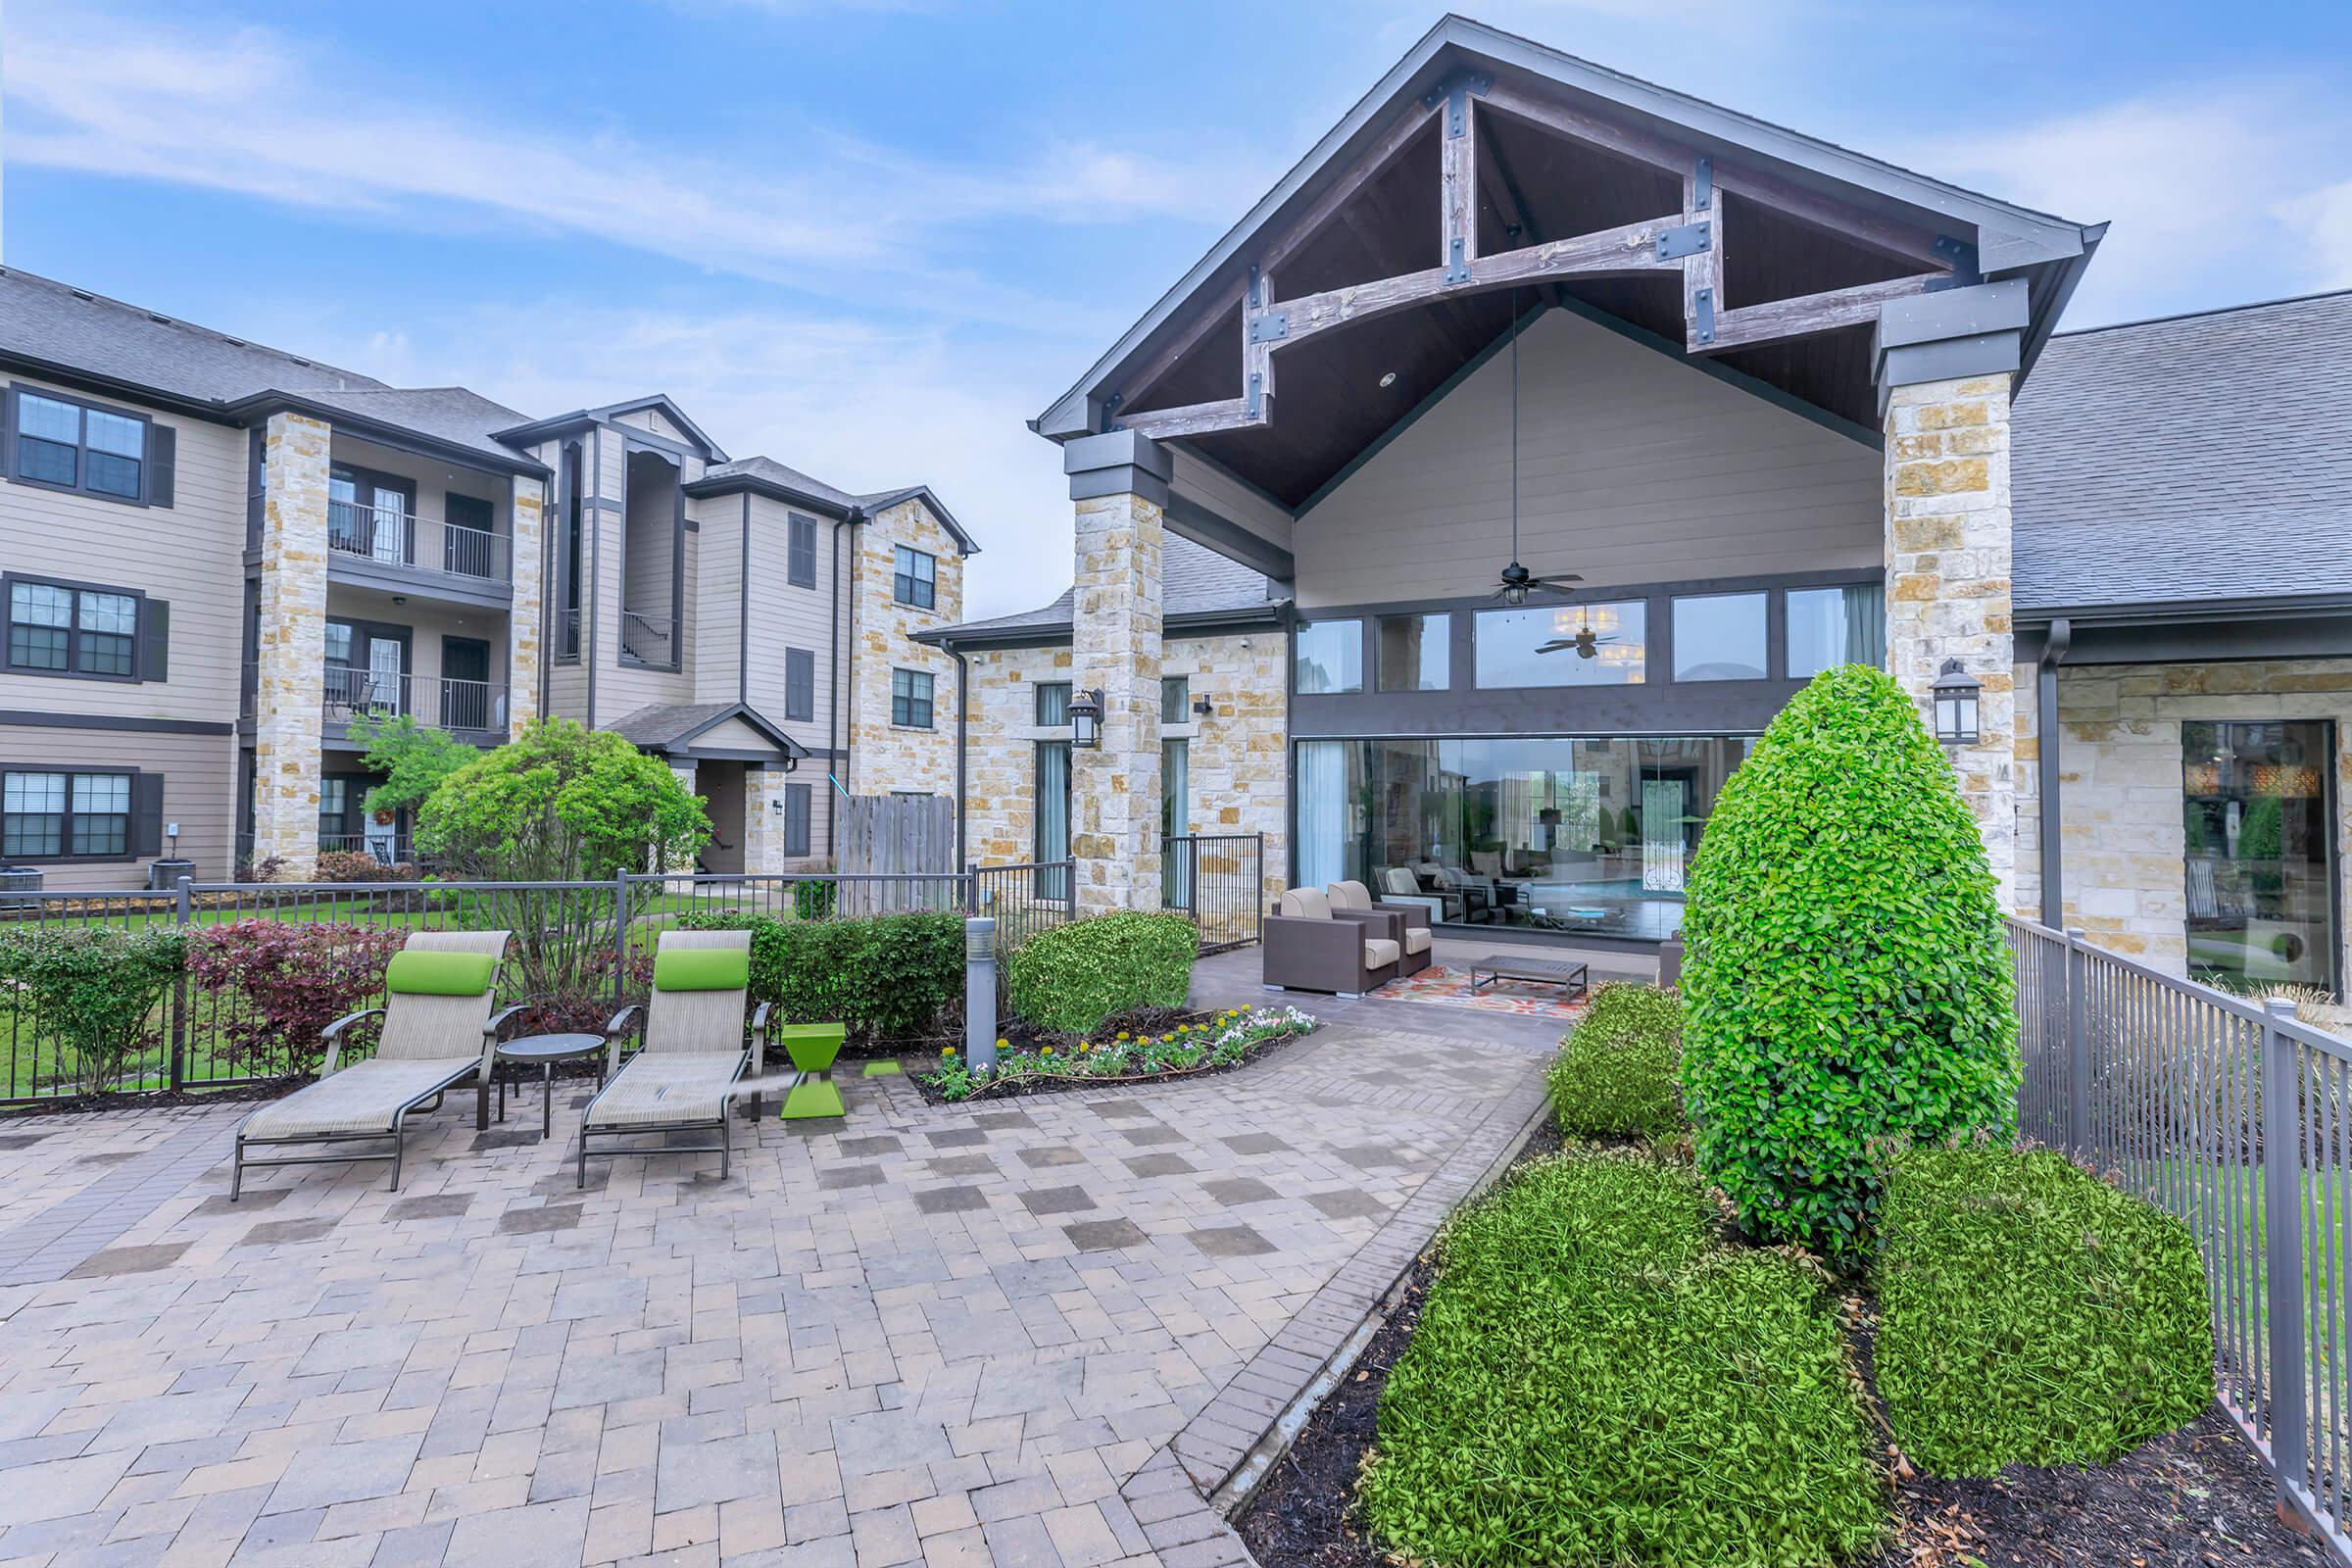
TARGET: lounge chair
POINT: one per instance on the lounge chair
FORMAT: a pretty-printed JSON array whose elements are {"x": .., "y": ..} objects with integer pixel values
[
  {"x": 1405, "y": 924},
  {"x": 1308, "y": 948},
  {"x": 694, "y": 1050},
  {"x": 438, "y": 1033}
]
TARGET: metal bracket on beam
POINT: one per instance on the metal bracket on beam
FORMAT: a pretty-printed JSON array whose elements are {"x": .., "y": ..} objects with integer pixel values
[
  {"x": 1254, "y": 286},
  {"x": 1457, "y": 271},
  {"x": 1271, "y": 327},
  {"x": 1961, "y": 258},
  {"x": 1455, "y": 96},
  {"x": 1684, "y": 239},
  {"x": 1111, "y": 409},
  {"x": 1702, "y": 184},
  {"x": 1703, "y": 315},
  {"x": 1257, "y": 384}
]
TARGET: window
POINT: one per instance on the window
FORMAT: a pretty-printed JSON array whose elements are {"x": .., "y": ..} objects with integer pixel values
[
  {"x": 1720, "y": 637},
  {"x": 1831, "y": 626},
  {"x": 1328, "y": 655},
  {"x": 66, "y": 630},
  {"x": 75, "y": 446},
  {"x": 800, "y": 567},
  {"x": 1053, "y": 704},
  {"x": 334, "y": 813},
  {"x": 800, "y": 684},
  {"x": 910, "y": 698},
  {"x": 1175, "y": 699},
  {"x": 1175, "y": 824},
  {"x": 1567, "y": 645},
  {"x": 2258, "y": 835},
  {"x": 54, "y": 815},
  {"x": 1416, "y": 653},
  {"x": 914, "y": 577},
  {"x": 796, "y": 818}
]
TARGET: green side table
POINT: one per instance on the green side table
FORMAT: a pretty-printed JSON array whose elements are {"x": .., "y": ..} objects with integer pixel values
[{"x": 813, "y": 1046}]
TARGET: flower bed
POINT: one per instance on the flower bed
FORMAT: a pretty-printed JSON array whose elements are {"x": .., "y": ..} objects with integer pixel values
[{"x": 1177, "y": 1046}]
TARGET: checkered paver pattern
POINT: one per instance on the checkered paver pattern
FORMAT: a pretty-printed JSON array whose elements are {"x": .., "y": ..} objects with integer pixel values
[{"x": 1031, "y": 1332}]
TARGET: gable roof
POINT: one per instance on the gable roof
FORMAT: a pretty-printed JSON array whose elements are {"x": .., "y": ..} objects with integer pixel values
[
  {"x": 2190, "y": 459},
  {"x": 671, "y": 727},
  {"x": 524, "y": 432},
  {"x": 1196, "y": 585},
  {"x": 766, "y": 477}
]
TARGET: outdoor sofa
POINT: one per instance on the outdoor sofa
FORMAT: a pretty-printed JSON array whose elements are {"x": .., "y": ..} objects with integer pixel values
[
  {"x": 1310, "y": 946},
  {"x": 438, "y": 1033},
  {"x": 693, "y": 1048},
  {"x": 1405, "y": 924}
]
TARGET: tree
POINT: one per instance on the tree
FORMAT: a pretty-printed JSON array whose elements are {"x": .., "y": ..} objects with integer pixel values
[
  {"x": 1847, "y": 983},
  {"x": 413, "y": 757},
  {"x": 562, "y": 802}
]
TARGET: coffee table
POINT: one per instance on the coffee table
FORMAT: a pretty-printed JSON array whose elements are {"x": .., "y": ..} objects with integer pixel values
[
  {"x": 547, "y": 1051},
  {"x": 1572, "y": 978}
]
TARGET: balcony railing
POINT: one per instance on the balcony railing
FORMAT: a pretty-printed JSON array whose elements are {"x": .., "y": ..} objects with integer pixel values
[
  {"x": 391, "y": 850},
  {"x": 568, "y": 636},
  {"x": 437, "y": 704},
  {"x": 404, "y": 539},
  {"x": 648, "y": 639}
]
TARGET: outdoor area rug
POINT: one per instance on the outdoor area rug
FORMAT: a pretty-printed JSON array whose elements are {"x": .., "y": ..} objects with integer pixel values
[{"x": 1451, "y": 988}]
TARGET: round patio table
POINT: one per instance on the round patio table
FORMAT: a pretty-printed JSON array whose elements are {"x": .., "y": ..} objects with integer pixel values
[{"x": 547, "y": 1051}]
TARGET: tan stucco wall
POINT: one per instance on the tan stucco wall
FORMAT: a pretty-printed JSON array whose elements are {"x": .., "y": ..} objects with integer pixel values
[{"x": 885, "y": 756}]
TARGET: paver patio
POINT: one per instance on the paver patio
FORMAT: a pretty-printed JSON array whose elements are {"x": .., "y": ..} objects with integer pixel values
[{"x": 929, "y": 1334}]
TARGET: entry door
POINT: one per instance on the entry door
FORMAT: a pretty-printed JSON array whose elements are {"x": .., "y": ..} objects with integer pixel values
[
  {"x": 384, "y": 675},
  {"x": 465, "y": 683},
  {"x": 391, "y": 524}
]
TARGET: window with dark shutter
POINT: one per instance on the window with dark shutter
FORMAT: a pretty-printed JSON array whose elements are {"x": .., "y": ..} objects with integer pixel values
[
  {"x": 80, "y": 629},
  {"x": 800, "y": 684},
  {"x": 796, "y": 818},
  {"x": 60, "y": 442},
  {"x": 800, "y": 555}
]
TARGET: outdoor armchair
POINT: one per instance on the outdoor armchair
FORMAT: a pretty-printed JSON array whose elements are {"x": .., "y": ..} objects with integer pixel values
[
  {"x": 1308, "y": 948},
  {"x": 692, "y": 1049},
  {"x": 438, "y": 1033},
  {"x": 1405, "y": 924}
]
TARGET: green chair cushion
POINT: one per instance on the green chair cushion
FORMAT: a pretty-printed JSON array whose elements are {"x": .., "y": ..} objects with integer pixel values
[
  {"x": 440, "y": 974},
  {"x": 702, "y": 970}
]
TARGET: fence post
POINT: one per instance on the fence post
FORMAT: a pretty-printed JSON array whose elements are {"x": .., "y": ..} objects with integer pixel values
[
  {"x": 2078, "y": 1044},
  {"x": 183, "y": 909},
  {"x": 1257, "y": 888},
  {"x": 972, "y": 887},
  {"x": 620, "y": 936},
  {"x": 2282, "y": 1223}
]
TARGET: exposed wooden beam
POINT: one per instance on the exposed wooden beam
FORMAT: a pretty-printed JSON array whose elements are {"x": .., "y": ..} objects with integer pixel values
[
  {"x": 1444, "y": 326},
  {"x": 1198, "y": 419},
  {"x": 1134, "y": 388},
  {"x": 1458, "y": 184},
  {"x": 1703, "y": 273},
  {"x": 1809, "y": 315}
]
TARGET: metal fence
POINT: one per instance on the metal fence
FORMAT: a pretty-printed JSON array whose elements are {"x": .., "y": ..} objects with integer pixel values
[
  {"x": 1217, "y": 878},
  {"x": 578, "y": 947},
  {"x": 2231, "y": 1114}
]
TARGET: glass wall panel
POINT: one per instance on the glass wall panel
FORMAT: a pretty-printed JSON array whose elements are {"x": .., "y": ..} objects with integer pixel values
[
  {"x": 2258, "y": 837},
  {"x": 1831, "y": 626},
  {"x": 1720, "y": 637},
  {"x": 1415, "y": 652},
  {"x": 1564, "y": 645},
  {"x": 1328, "y": 655}
]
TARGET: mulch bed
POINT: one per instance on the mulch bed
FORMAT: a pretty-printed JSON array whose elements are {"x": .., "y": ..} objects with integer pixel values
[
  {"x": 1020, "y": 1036},
  {"x": 2197, "y": 1498},
  {"x": 146, "y": 1098}
]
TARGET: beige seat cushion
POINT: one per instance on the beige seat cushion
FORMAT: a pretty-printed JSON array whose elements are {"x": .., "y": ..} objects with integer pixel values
[
  {"x": 1379, "y": 952},
  {"x": 1306, "y": 904},
  {"x": 1349, "y": 896},
  {"x": 1397, "y": 879},
  {"x": 1416, "y": 940}
]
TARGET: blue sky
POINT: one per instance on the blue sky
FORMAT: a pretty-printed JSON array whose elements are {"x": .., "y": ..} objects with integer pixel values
[{"x": 871, "y": 238}]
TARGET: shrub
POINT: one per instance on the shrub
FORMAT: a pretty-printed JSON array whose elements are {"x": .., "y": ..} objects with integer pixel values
[
  {"x": 1072, "y": 977},
  {"x": 2032, "y": 1314},
  {"x": 890, "y": 977},
  {"x": 562, "y": 802},
  {"x": 1592, "y": 1382},
  {"x": 294, "y": 977},
  {"x": 815, "y": 900},
  {"x": 354, "y": 865},
  {"x": 1846, "y": 979},
  {"x": 1614, "y": 1076},
  {"x": 90, "y": 991}
]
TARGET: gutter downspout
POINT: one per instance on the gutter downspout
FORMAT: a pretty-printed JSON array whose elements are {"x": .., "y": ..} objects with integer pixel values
[
  {"x": 2048, "y": 741},
  {"x": 743, "y": 609},
  {"x": 964, "y": 677},
  {"x": 838, "y": 692},
  {"x": 551, "y": 506},
  {"x": 593, "y": 601}
]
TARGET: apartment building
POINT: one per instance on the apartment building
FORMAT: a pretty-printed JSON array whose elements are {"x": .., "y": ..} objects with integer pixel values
[{"x": 215, "y": 555}]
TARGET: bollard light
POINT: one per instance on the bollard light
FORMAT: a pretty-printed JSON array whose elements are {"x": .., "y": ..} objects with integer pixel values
[{"x": 980, "y": 993}]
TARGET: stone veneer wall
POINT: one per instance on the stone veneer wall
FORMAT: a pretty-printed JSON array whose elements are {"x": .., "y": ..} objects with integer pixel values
[
  {"x": 1949, "y": 579},
  {"x": 523, "y": 617},
  {"x": 2119, "y": 785},
  {"x": 292, "y": 645},
  {"x": 1114, "y": 787},
  {"x": 885, "y": 756}
]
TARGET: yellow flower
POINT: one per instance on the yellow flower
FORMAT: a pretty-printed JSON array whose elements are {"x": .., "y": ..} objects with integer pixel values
[
  {"x": 947, "y": 1051},
  {"x": 999, "y": 1045},
  {"x": 1085, "y": 1046},
  {"x": 1122, "y": 1034},
  {"x": 1049, "y": 1051},
  {"x": 1166, "y": 1038}
]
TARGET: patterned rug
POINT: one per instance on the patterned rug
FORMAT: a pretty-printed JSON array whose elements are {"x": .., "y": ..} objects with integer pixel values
[{"x": 1451, "y": 988}]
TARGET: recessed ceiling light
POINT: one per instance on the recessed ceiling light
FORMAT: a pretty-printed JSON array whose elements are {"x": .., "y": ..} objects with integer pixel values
[{"x": 1388, "y": 379}]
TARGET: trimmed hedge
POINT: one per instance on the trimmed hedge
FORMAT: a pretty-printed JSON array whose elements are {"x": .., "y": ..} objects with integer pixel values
[
  {"x": 1594, "y": 1382},
  {"x": 887, "y": 977},
  {"x": 1615, "y": 1074},
  {"x": 1847, "y": 980},
  {"x": 2033, "y": 1314},
  {"x": 1072, "y": 977}
]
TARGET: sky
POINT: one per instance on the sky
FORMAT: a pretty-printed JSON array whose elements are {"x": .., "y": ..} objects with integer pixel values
[{"x": 869, "y": 238}]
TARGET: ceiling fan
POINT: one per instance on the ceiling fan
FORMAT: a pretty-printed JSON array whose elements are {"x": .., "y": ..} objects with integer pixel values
[
  {"x": 1515, "y": 581},
  {"x": 1586, "y": 641}
]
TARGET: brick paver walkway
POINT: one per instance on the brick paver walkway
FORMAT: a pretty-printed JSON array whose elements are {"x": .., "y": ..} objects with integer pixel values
[{"x": 944, "y": 1336}]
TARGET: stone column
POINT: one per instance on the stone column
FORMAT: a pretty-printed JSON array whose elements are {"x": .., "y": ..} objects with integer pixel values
[
  {"x": 523, "y": 628},
  {"x": 762, "y": 820},
  {"x": 1946, "y": 366},
  {"x": 1119, "y": 485},
  {"x": 289, "y": 683}
]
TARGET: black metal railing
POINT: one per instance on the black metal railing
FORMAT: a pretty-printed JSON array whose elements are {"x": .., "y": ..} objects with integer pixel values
[{"x": 1218, "y": 879}]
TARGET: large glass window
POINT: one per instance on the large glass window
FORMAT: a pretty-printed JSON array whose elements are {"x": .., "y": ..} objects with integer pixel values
[
  {"x": 1833, "y": 626},
  {"x": 72, "y": 446},
  {"x": 1328, "y": 655},
  {"x": 49, "y": 816},
  {"x": 910, "y": 698},
  {"x": 1054, "y": 703},
  {"x": 2258, "y": 835},
  {"x": 1720, "y": 637},
  {"x": 914, "y": 577},
  {"x": 1416, "y": 653},
  {"x": 1054, "y": 809},
  {"x": 79, "y": 631},
  {"x": 1175, "y": 821},
  {"x": 1564, "y": 645},
  {"x": 1175, "y": 699}
]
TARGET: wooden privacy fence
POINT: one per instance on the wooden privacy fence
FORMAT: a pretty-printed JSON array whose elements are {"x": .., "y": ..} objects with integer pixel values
[{"x": 903, "y": 840}]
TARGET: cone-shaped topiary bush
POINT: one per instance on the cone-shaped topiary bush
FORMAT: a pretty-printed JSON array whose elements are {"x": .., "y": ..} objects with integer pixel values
[{"x": 1847, "y": 981}]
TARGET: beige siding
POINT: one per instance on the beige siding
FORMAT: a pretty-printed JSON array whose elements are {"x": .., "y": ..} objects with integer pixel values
[
  {"x": 1632, "y": 468},
  {"x": 189, "y": 555},
  {"x": 716, "y": 596},
  {"x": 622, "y": 688},
  {"x": 783, "y": 616},
  {"x": 199, "y": 792}
]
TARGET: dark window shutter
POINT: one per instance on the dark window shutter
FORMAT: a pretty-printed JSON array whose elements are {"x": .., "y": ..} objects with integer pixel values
[
  {"x": 795, "y": 820},
  {"x": 147, "y": 813},
  {"x": 800, "y": 684},
  {"x": 801, "y": 561},
  {"x": 163, "y": 464},
  {"x": 155, "y": 639}
]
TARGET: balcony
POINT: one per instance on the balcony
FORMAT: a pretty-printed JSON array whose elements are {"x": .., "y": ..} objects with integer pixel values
[
  {"x": 648, "y": 640},
  {"x": 471, "y": 709},
  {"x": 382, "y": 545}
]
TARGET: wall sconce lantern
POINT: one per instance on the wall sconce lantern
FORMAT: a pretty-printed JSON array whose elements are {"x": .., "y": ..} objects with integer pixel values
[
  {"x": 1086, "y": 719},
  {"x": 1955, "y": 695},
  {"x": 1202, "y": 707}
]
